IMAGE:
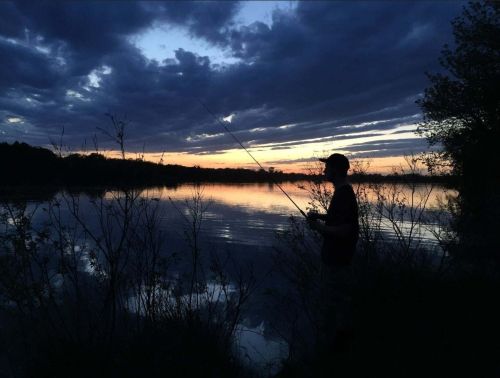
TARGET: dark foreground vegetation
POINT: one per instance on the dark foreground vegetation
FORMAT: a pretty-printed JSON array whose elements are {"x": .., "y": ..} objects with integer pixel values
[
  {"x": 115, "y": 300},
  {"x": 409, "y": 324}
]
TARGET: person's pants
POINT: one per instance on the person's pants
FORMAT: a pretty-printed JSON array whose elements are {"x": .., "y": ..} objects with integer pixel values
[{"x": 336, "y": 297}]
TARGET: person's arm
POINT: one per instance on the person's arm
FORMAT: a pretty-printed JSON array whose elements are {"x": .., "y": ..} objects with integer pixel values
[
  {"x": 343, "y": 214},
  {"x": 342, "y": 231},
  {"x": 316, "y": 216}
]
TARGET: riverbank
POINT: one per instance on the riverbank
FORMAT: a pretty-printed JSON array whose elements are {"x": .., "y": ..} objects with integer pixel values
[{"x": 410, "y": 324}]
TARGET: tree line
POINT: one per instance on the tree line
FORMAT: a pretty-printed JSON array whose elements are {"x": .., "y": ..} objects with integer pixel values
[{"x": 21, "y": 163}]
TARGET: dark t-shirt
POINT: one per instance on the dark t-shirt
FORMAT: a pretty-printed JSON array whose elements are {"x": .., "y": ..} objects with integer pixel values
[{"x": 337, "y": 251}]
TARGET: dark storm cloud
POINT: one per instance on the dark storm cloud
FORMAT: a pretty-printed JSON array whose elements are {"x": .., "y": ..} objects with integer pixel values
[{"x": 326, "y": 69}]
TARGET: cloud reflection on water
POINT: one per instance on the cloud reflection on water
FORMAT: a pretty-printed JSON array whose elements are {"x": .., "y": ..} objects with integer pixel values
[{"x": 241, "y": 220}]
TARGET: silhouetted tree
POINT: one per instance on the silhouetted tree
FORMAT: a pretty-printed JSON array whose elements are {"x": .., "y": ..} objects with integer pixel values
[
  {"x": 461, "y": 112},
  {"x": 21, "y": 163}
]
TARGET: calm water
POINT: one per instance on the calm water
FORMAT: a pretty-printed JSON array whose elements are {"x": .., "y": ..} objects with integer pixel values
[
  {"x": 246, "y": 214},
  {"x": 241, "y": 219}
]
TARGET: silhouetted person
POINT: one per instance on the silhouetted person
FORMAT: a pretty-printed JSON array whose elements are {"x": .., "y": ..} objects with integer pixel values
[{"x": 340, "y": 232}]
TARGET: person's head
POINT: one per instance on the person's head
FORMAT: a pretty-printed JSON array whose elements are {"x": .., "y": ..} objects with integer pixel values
[{"x": 336, "y": 167}]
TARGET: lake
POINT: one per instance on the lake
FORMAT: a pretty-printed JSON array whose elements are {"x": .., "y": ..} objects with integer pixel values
[{"x": 241, "y": 219}]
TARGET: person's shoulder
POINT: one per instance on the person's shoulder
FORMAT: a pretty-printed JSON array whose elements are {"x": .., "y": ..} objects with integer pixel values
[{"x": 346, "y": 191}]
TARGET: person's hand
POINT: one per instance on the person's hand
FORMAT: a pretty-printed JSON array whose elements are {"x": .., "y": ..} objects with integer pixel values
[{"x": 313, "y": 215}]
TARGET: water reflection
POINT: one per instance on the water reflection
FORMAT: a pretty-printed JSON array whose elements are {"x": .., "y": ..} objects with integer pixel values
[
  {"x": 242, "y": 220},
  {"x": 259, "y": 350},
  {"x": 251, "y": 198},
  {"x": 213, "y": 292}
]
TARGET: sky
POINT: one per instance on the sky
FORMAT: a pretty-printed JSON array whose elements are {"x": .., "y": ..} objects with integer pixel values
[{"x": 291, "y": 80}]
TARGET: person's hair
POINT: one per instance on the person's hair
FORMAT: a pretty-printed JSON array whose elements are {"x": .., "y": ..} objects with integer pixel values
[{"x": 340, "y": 162}]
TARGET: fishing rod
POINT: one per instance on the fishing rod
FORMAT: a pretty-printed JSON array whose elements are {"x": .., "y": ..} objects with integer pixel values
[{"x": 248, "y": 152}]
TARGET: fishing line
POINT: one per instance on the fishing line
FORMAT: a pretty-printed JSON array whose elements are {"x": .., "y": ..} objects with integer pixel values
[{"x": 248, "y": 152}]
